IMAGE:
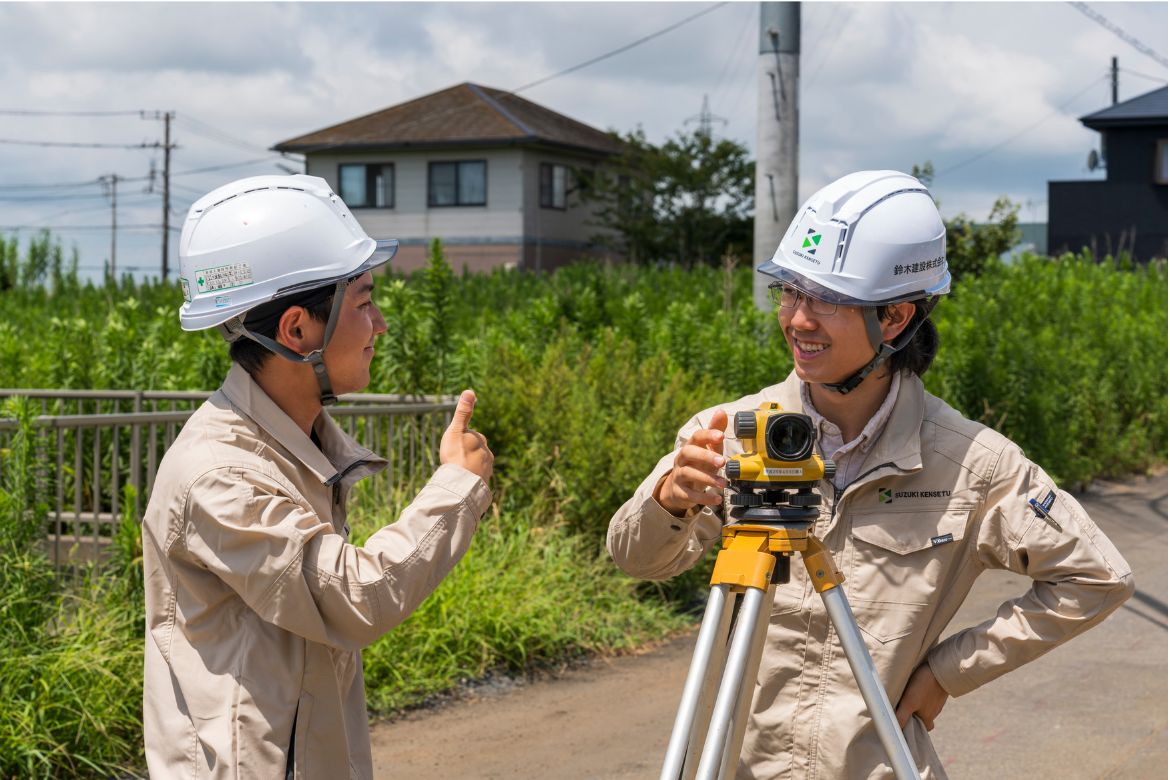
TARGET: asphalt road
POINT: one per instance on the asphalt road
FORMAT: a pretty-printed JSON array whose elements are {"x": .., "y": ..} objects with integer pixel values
[{"x": 1095, "y": 708}]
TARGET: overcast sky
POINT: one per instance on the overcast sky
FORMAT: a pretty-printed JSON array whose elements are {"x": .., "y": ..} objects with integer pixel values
[{"x": 883, "y": 85}]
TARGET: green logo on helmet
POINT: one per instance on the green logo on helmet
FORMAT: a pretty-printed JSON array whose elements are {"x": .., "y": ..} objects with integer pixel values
[{"x": 813, "y": 241}]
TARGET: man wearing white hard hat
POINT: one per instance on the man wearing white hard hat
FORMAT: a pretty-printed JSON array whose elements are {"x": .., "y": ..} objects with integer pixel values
[
  {"x": 257, "y": 605},
  {"x": 922, "y": 500}
]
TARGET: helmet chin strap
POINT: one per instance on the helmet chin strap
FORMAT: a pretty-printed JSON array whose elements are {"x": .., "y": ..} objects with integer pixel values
[
  {"x": 235, "y": 329},
  {"x": 873, "y": 329}
]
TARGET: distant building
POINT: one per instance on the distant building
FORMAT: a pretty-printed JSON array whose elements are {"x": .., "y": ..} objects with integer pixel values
[
  {"x": 1128, "y": 209},
  {"x": 484, "y": 170}
]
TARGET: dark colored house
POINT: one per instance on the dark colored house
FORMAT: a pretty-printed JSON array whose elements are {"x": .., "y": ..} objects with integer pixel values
[{"x": 1128, "y": 209}]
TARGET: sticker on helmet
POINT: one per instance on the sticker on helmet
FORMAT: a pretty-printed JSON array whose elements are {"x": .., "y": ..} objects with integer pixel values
[
  {"x": 186, "y": 288},
  {"x": 223, "y": 300},
  {"x": 224, "y": 277}
]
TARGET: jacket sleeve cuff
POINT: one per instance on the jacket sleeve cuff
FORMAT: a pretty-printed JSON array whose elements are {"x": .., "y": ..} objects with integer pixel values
[{"x": 462, "y": 482}]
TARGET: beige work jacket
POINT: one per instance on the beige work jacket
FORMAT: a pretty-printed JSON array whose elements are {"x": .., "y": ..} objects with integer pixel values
[
  {"x": 256, "y": 604},
  {"x": 938, "y": 500}
]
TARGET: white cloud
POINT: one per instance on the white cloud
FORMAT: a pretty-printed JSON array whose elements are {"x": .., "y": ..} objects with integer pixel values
[{"x": 884, "y": 85}]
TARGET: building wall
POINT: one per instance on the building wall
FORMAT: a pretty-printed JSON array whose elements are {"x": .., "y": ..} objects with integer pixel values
[
  {"x": 478, "y": 236},
  {"x": 1128, "y": 208},
  {"x": 511, "y": 230},
  {"x": 1097, "y": 213},
  {"x": 1131, "y": 153},
  {"x": 554, "y": 237}
]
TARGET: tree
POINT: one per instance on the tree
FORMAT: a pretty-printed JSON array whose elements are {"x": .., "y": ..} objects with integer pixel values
[
  {"x": 688, "y": 201},
  {"x": 969, "y": 245}
]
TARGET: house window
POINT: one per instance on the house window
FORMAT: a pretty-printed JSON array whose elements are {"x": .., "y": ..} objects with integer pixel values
[
  {"x": 553, "y": 185},
  {"x": 462, "y": 183},
  {"x": 367, "y": 186},
  {"x": 1160, "y": 162}
]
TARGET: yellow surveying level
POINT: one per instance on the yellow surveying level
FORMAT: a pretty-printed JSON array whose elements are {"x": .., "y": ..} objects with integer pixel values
[{"x": 773, "y": 512}]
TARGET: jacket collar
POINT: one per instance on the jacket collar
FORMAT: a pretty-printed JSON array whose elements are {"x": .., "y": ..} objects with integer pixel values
[
  {"x": 339, "y": 454},
  {"x": 899, "y": 441}
]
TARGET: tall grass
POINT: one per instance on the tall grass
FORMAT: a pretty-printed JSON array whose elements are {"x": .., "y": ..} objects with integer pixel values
[{"x": 584, "y": 375}]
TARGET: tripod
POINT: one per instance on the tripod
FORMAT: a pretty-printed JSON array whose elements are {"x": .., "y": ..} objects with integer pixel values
[{"x": 769, "y": 527}]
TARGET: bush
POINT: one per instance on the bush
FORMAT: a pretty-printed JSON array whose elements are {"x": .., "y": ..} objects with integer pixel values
[{"x": 584, "y": 376}]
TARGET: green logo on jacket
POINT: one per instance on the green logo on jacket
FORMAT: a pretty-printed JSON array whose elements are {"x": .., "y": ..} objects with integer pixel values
[{"x": 885, "y": 495}]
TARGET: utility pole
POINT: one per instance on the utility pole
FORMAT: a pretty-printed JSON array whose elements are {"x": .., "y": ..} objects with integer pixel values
[
  {"x": 1113, "y": 79},
  {"x": 777, "y": 129},
  {"x": 167, "y": 146},
  {"x": 111, "y": 182}
]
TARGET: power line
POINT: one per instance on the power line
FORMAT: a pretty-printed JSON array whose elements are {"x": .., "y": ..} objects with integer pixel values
[
  {"x": 19, "y": 112},
  {"x": 619, "y": 50},
  {"x": 735, "y": 50},
  {"x": 75, "y": 145},
  {"x": 215, "y": 134},
  {"x": 825, "y": 51},
  {"x": 64, "y": 228},
  {"x": 224, "y": 167},
  {"x": 56, "y": 186},
  {"x": 459, "y": 109},
  {"x": 1030, "y": 127},
  {"x": 1160, "y": 79},
  {"x": 1120, "y": 33}
]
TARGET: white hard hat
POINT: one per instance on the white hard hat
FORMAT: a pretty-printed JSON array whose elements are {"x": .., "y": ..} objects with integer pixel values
[
  {"x": 872, "y": 237},
  {"x": 265, "y": 237}
]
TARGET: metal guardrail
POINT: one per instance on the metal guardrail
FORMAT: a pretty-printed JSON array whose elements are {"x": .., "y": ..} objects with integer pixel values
[{"x": 85, "y": 460}]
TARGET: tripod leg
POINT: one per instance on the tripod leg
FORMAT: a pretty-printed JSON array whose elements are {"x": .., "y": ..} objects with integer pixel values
[
  {"x": 738, "y": 656},
  {"x": 880, "y": 709},
  {"x": 712, "y": 632},
  {"x": 747, "y": 690}
]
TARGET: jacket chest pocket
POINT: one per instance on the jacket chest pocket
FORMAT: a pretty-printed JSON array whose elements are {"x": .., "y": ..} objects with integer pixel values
[{"x": 898, "y": 561}]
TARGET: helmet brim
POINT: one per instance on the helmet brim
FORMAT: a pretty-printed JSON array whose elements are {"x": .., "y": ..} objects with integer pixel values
[{"x": 821, "y": 292}]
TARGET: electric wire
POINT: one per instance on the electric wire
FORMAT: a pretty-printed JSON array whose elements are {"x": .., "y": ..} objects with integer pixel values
[
  {"x": 77, "y": 145},
  {"x": 1120, "y": 33},
  {"x": 409, "y": 123},
  {"x": 215, "y": 134},
  {"x": 735, "y": 50},
  {"x": 54, "y": 186},
  {"x": 1160, "y": 79},
  {"x": 742, "y": 47},
  {"x": 22, "y": 112},
  {"x": 1021, "y": 132},
  {"x": 619, "y": 50},
  {"x": 825, "y": 51}
]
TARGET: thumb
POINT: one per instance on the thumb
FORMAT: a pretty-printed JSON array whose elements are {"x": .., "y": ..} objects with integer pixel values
[{"x": 463, "y": 411}]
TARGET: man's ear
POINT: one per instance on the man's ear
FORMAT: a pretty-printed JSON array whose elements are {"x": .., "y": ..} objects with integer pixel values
[
  {"x": 291, "y": 329},
  {"x": 898, "y": 317}
]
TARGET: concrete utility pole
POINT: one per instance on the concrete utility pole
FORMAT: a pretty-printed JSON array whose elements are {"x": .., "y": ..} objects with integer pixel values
[
  {"x": 111, "y": 181},
  {"x": 777, "y": 128},
  {"x": 167, "y": 146}
]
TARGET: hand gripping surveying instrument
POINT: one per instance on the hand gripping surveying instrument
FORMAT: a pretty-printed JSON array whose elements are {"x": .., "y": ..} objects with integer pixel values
[{"x": 773, "y": 511}]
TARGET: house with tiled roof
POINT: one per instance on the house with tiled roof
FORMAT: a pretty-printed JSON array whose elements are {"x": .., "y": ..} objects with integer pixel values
[
  {"x": 1128, "y": 208},
  {"x": 488, "y": 172}
]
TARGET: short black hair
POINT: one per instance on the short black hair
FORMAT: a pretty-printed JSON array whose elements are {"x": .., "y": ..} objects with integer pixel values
[
  {"x": 920, "y": 351},
  {"x": 264, "y": 319}
]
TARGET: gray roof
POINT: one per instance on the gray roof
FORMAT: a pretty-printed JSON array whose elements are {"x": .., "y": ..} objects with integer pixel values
[{"x": 1141, "y": 111}]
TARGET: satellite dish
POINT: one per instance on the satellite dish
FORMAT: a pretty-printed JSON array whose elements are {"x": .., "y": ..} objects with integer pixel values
[{"x": 1094, "y": 160}]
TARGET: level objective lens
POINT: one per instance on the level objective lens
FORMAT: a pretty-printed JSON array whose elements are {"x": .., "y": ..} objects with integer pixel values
[{"x": 789, "y": 437}]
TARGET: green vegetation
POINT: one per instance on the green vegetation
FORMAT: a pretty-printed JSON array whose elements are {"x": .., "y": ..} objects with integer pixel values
[{"x": 584, "y": 376}]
